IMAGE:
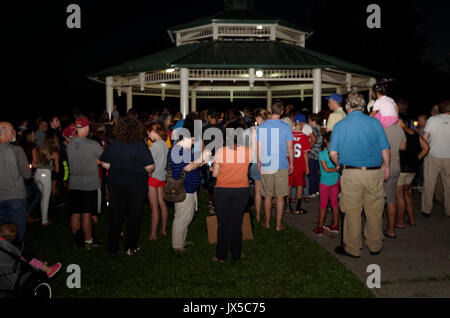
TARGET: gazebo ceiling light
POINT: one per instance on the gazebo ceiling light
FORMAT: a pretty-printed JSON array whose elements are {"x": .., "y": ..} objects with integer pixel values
[{"x": 170, "y": 70}]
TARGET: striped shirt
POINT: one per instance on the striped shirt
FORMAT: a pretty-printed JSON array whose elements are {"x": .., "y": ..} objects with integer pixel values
[{"x": 192, "y": 178}]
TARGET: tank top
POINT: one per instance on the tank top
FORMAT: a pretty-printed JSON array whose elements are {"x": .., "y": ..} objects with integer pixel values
[{"x": 408, "y": 158}]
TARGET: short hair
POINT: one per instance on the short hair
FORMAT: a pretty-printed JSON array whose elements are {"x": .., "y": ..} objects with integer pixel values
[
  {"x": 444, "y": 107},
  {"x": 9, "y": 231},
  {"x": 277, "y": 107},
  {"x": 315, "y": 118},
  {"x": 356, "y": 101},
  {"x": 214, "y": 114},
  {"x": 189, "y": 125},
  {"x": 261, "y": 112},
  {"x": 133, "y": 113}
]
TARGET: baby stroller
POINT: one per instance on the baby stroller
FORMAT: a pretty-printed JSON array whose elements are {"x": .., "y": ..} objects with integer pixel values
[{"x": 18, "y": 279}]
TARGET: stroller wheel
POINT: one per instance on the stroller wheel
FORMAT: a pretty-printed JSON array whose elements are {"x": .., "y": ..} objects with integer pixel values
[{"x": 43, "y": 291}]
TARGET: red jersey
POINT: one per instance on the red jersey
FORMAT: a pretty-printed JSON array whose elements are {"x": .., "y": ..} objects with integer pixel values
[{"x": 301, "y": 145}]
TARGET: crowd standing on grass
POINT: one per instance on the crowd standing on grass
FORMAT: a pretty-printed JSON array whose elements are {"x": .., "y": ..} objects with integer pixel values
[{"x": 351, "y": 159}]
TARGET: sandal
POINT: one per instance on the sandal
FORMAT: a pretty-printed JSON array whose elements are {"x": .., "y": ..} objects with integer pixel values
[
  {"x": 400, "y": 227},
  {"x": 411, "y": 224},
  {"x": 302, "y": 211}
]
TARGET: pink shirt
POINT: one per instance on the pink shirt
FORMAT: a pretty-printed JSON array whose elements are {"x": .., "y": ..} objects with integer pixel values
[{"x": 386, "y": 106}]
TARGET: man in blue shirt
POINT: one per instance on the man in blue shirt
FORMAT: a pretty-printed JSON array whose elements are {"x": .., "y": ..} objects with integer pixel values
[
  {"x": 359, "y": 144},
  {"x": 275, "y": 145}
]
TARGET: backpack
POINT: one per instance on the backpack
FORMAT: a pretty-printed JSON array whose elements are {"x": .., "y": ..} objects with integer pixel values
[{"x": 174, "y": 189}]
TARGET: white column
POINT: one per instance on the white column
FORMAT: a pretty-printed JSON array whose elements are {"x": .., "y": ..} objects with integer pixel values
[
  {"x": 184, "y": 91},
  {"x": 109, "y": 95},
  {"x": 269, "y": 98},
  {"x": 317, "y": 90},
  {"x": 215, "y": 31},
  {"x": 129, "y": 98},
  {"x": 273, "y": 33},
  {"x": 348, "y": 81},
  {"x": 372, "y": 82},
  {"x": 193, "y": 101}
]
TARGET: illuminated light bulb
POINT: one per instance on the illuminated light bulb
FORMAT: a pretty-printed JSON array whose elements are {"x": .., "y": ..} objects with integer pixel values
[
  {"x": 163, "y": 84},
  {"x": 259, "y": 73},
  {"x": 416, "y": 123},
  {"x": 259, "y": 27},
  {"x": 170, "y": 70}
]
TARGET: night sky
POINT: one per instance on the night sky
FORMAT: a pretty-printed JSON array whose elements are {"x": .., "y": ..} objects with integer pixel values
[{"x": 45, "y": 64}]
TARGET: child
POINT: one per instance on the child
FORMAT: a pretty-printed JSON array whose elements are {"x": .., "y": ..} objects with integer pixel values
[
  {"x": 301, "y": 149},
  {"x": 384, "y": 109},
  {"x": 157, "y": 134},
  {"x": 328, "y": 188},
  {"x": 8, "y": 234}
]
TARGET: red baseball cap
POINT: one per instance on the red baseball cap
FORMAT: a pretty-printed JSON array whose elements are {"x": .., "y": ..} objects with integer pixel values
[{"x": 81, "y": 122}]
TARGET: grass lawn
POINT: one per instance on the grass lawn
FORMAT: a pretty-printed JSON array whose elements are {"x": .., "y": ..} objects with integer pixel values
[{"x": 286, "y": 265}]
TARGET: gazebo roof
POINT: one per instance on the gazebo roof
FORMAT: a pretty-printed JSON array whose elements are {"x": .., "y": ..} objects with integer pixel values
[
  {"x": 238, "y": 16},
  {"x": 237, "y": 54}
]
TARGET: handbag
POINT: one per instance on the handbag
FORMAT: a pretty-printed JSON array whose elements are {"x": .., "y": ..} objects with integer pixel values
[{"x": 174, "y": 189}]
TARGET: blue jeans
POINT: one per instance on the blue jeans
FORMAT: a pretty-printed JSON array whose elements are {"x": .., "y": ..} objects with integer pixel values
[{"x": 15, "y": 212}]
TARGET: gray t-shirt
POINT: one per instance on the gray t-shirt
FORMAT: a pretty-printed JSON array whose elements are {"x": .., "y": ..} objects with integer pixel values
[
  {"x": 13, "y": 169},
  {"x": 83, "y": 154},
  {"x": 395, "y": 137},
  {"x": 159, "y": 152}
]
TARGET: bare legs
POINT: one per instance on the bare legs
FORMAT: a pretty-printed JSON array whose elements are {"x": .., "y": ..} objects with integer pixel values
[
  {"x": 156, "y": 199},
  {"x": 279, "y": 212},
  {"x": 258, "y": 199},
  {"x": 405, "y": 202},
  {"x": 83, "y": 221},
  {"x": 391, "y": 212}
]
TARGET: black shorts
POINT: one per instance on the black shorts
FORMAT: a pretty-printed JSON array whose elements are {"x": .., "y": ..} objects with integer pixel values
[{"x": 83, "y": 201}]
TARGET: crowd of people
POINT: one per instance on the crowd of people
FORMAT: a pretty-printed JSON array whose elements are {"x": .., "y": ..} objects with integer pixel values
[{"x": 353, "y": 158}]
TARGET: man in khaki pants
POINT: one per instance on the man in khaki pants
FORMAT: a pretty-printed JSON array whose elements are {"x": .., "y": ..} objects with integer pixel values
[
  {"x": 437, "y": 133},
  {"x": 360, "y": 146}
]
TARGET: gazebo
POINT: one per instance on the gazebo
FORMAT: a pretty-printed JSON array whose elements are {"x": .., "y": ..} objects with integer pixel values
[{"x": 236, "y": 53}]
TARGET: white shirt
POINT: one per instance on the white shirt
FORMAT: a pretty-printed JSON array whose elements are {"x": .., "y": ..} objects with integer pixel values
[
  {"x": 307, "y": 130},
  {"x": 439, "y": 129},
  {"x": 386, "y": 106}
]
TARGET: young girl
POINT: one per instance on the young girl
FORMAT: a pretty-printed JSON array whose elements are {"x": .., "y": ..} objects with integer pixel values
[
  {"x": 48, "y": 160},
  {"x": 385, "y": 109},
  {"x": 159, "y": 150},
  {"x": 8, "y": 234},
  {"x": 328, "y": 188}
]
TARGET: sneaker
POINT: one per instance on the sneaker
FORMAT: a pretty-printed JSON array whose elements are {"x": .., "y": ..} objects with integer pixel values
[
  {"x": 131, "y": 252},
  {"x": 318, "y": 231},
  {"x": 53, "y": 270},
  {"x": 91, "y": 245},
  {"x": 332, "y": 228}
]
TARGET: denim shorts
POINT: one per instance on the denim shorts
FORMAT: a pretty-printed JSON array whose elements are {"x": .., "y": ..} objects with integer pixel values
[{"x": 254, "y": 173}]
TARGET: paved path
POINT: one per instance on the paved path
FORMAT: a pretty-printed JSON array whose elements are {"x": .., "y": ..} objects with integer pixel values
[{"x": 415, "y": 264}]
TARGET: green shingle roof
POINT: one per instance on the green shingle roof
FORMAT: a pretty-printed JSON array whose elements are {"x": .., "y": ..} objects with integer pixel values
[{"x": 237, "y": 54}]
